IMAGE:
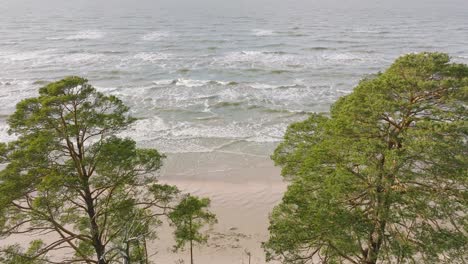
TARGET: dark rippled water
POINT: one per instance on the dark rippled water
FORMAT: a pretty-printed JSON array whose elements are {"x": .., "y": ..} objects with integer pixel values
[{"x": 217, "y": 75}]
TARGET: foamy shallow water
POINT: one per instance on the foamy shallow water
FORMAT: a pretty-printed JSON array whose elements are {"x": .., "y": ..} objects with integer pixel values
[{"x": 210, "y": 76}]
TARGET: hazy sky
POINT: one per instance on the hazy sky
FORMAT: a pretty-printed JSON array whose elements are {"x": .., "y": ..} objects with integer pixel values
[{"x": 194, "y": 5}]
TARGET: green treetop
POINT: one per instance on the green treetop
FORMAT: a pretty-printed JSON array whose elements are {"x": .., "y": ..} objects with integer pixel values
[
  {"x": 383, "y": 178},
  {"x": 189, "y": 217},
  {"x": 70, "y": 177}
]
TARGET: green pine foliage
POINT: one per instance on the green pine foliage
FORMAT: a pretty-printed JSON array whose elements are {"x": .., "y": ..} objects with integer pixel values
[
  {"x": 383, "y": 177},
  {"x": 71, "y": 177},
  {"x": 189, "y": 217}
]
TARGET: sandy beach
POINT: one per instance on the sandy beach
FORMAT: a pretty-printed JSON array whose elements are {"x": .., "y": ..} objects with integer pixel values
[{"x": 242, "y": 197}]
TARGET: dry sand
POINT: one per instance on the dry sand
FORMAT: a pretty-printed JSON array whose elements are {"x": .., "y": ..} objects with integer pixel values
[{"x": 243, "y": 190}]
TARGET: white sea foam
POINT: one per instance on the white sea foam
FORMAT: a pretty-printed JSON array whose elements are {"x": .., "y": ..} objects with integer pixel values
[
  {"x": 16, "y": 84},
  {"x": 263, "y": 86},
  {"x": 344, "y": 57},
  {"x": 4, "y": 136},
  {"x": 232, "y": 130},
  {"x": 264, "y": 59},
  {"x": 165, "y": 82},
  {"x": 81, "y": 58},
  {"x": 284, "y": 61},
  {"x": 146, "y": 129},
  {"x": 26, "y": 55},
  {"x": 54, "y": 38},
  {"x": 262, "y": 32},
  {"x": 180, "y": 146},
  {"x": 200, "y": 95},
  {"x": 12, "y": 91},
  {"x": 154, "y": 124},
  {"x": 460, "y": 59},
  {"x": 190, "y": 82},
  {"x": 44, "y": 58},
  {"x": 182, "y": 82},
  {"x": 155, "y": 128},
  {"x": 198, "y": 135},
  {"x": 86, "y": 35},
  {"x": 152, "y": 56},
  {"x": 155, "y": 36}
]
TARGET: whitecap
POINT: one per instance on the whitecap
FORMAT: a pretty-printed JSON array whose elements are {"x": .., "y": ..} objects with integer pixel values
[
  {"x": 233, "y": 130},
  {"x": 82, "y": 58},
  {"x": 152, "y": 56},
  {"x": 50, "y": 57},
  {"x": 262, "y": 32},
  {"x": 165, "y": 82},
  {"x": 155, "y": 36},
  {"x": 279, "y": 61},
  {"x": 4, "y": 135},
  {"x": 267, "y": 58},
  {"x": 144, "y": 129},
  {"x": 180, "y": 146},
  {"x": 263, "y": 86},
  {"x": 86, "y": 34},
  {"x": 12, "y": 91},
  {"x": 149, "y": 125},
  {"x": 191, "y": 83},
  {"x": 270, "y": 133},
  {"x": 225, "y": 83},
  {"x": 460, "y": 58},
  {"x": 27, "y": 55},
  {"x": 263, "y": 139},
  {"x": 54, "y": 38},
  {"x": 344, "y": 57},
  {"x": 207, "y": 107}
]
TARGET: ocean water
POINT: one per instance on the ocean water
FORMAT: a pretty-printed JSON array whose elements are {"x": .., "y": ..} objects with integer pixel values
[{"x": 217, "y": 75}]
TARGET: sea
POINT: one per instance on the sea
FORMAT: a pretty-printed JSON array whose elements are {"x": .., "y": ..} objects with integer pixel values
[{"x": 224, "y": 76}]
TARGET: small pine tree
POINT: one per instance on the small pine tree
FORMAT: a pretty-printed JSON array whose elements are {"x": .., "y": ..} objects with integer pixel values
[{"x": 189, "y": 217}]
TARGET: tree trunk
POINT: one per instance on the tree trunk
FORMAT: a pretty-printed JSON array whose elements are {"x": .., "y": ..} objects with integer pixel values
[
  {"x": 382, "y": 200},
  {"x": 191, "y": 252},
  {"x": 127, "y": 253},
  {"x": 95, "y": 234},
  {"x": 191, "y": 242},
  {"x": 146, "y": 251},
  {"x": 78, "y": 157}
]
